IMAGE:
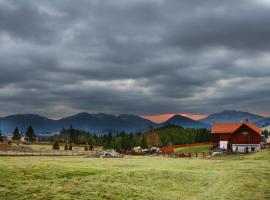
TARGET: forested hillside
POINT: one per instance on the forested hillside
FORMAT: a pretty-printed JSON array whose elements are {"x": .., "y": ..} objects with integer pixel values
[{"x": 164, "y": 136}]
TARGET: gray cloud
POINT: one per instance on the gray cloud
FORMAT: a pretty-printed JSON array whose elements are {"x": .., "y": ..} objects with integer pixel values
[{"x": 142, "y": 57}]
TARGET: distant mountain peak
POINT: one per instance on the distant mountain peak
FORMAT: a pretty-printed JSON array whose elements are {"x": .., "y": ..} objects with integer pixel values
[
  {"x": 83, "y": 113},
  {"x": 185, "y": 122},
  {"x": 179, "y": 116}
]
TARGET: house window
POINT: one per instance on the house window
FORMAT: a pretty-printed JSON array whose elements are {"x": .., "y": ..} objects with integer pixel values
[
  {"x": 245, "y": 133},
  {"x": 252, "y": 148},
  {"x": 236, "y": 149}
]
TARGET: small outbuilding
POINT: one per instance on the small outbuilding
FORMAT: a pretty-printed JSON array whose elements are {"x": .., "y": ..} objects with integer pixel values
[{"x": 237, "y": 136}]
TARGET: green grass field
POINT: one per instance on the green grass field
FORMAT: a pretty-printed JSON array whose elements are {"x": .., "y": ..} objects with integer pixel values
[{"x": 229, "y": 177}]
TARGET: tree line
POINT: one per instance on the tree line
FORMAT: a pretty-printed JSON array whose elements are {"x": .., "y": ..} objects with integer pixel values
[
  {"x": 30, "y": 135},
  {"x": 164, "y": 136}
]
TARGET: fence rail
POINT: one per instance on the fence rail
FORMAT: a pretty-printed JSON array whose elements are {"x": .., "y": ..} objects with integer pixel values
[
  {"x": 44, "y": 153},
  {"x": 11, "y": 152},
  {"x": 190, "y": 155}
]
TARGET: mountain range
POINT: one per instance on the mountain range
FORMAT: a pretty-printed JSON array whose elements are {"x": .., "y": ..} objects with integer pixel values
[
  {"x": 103, "y": 123},
  {"x": 231, "y": 116},
  {"x": 98, "y": 123}
]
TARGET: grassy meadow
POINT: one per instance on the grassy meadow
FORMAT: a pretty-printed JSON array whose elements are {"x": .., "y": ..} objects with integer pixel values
[{"x": 143, "y": 177}]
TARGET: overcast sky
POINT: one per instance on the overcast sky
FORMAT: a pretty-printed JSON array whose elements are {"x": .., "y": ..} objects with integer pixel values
[{"x": 134, "y": 56}]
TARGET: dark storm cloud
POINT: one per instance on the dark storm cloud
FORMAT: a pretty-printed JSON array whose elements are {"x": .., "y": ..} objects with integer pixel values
[
  {"x": 144, "y": 56},
  {"x": 21, "y": 19}
]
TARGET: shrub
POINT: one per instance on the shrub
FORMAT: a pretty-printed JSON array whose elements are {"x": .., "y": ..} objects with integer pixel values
[
  {"x": 91, "y": 148},
  {"x": 56, "y": 145},
  {"x": 70, "y": 147}
]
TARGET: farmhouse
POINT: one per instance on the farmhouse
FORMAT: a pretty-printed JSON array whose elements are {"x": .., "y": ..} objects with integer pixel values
[{"x": 237, "y": 137}]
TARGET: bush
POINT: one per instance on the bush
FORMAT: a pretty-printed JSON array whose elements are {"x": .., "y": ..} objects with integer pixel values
[
  {"x": 91, "y": 148},
  {"x": 66, "y": 147},
  {"x": 56, "y": 145},
  {"x": 86, "y": 148},
  {"x": 70, "y": 147}
]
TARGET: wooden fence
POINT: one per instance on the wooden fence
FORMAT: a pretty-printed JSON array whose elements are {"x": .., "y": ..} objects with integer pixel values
[
  {"x": 170, "y": 149},
  {"x": 93, "y": 153},
  {"x": 45, "y": 153},
  {"x": 191, "y": 155}
]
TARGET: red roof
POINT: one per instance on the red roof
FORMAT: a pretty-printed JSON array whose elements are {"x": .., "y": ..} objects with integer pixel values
[{"x": 230, "y": 128}]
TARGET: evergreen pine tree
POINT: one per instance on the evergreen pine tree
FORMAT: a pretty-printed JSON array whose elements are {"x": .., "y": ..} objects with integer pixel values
[
  {"x": 91, "y": 141},
  {"x": 144, "y": 141},
  {"x": 16, "y": 134},
  {"x": 131, "y": 141},
  {"x": 30, "y": 135},
  {"x": 124, "y": 141},
  {"x": 109, "y": 140}
]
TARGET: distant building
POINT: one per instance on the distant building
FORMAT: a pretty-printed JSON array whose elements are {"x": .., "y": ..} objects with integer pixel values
[{"x": 237, "y": 137}]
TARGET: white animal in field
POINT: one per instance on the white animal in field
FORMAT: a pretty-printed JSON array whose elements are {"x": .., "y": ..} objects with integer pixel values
[
  {"x": 137, "y": 149},
  {"x": 155, "y": 150}
]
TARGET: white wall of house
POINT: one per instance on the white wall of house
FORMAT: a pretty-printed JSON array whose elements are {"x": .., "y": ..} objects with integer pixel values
[
  {"x": 223, "y": 144},
  {"x": 241, "y": 148}
]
